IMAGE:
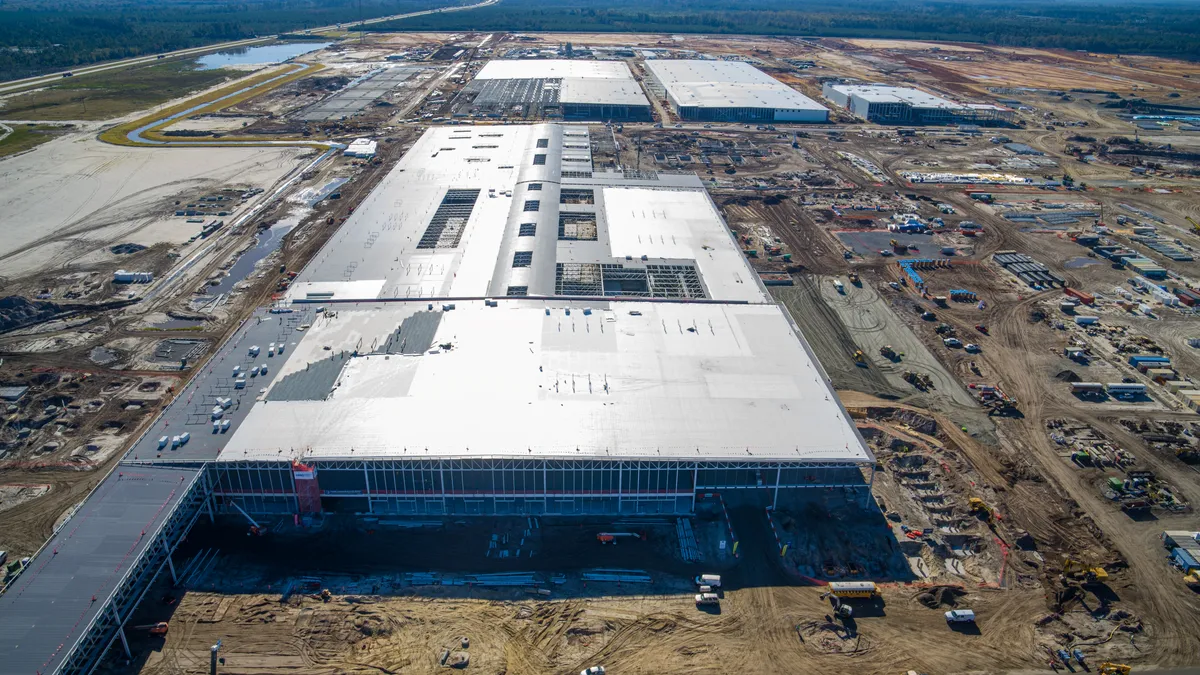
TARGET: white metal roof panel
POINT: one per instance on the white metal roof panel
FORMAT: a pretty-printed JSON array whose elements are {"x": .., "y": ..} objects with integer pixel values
[
  {"x": 520, "y": 69},
  {"x": 725, "y": 84},
  {"x": 627, "y": 379},
  {"x": 613, "y": 91}
]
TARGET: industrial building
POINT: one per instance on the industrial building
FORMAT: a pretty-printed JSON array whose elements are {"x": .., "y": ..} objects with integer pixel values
[
  {"x": 885, "y": 104},
  {"x": 497, "y": 329},
  {"x": 612, "y": 348},
  {"x": 729, "y": 91},
  {"x": 556, "y": 88}
]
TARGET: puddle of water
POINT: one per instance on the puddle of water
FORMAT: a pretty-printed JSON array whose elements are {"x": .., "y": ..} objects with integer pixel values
[
  {"x": 268, "y": 240},
  {"x": 102, "y": 356},
  {"x": 265, "y": 55},
  {"x": 1076, "y": 263}
]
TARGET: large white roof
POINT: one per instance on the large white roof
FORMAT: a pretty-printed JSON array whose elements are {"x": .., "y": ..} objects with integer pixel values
[
  {"x": 880, "y": 93},
  {"x": 377, "y": 253},
  {"x": 612, "y": 91},
  {"x": 520, "y": 69},
  {"x": 725, "y": 84},
  {"x": 549, "y": 378}
]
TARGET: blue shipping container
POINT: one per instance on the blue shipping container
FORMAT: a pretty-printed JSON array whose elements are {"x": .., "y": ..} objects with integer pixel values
[
  {"x": 1185, "y": 560},
  {"x": 1147, "y": 358}
]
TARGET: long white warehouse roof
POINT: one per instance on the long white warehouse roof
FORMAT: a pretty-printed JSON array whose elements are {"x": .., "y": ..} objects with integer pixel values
[
  {"x": 725, "y": 84},
  {"x": 554, "y": 378},
  {"x": 520, "y": 69},
  {"x": 880, "y": 93}
]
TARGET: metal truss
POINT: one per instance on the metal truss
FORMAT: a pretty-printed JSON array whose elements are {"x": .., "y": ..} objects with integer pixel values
[{"x": 104, "y": 628}]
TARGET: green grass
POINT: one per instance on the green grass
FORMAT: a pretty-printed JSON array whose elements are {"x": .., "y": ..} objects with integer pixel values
[
  {"x": 113, "y": 93},
  {"x": 119, "y": 135},
  {"x": 26, "y": 136}
]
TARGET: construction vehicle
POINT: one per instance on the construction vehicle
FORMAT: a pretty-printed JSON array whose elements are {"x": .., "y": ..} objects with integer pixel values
[
  {"x": 1078, "y": 571},
  {"x": 1193, "y": 581},
  {"x": 853, "y": 276},
  {"x": 1107, "y": 668},
  {"x": 888, "y": 353},
  {"x": 841, "y": 288},
  {"x": 611, "y": 537},
  {"x": 860, "y": 359},
  {"x": 159, "y": 628},
  {"x": 979, "y": 507},
  {"x": 1195, "y": 225},
  {"x": 898, "y": 247},
  {"x": 840, "y": 609},
  {"x": 921, "y": 381},
  {"x": 975, "y": 368},
  {"x": 325, "y": 595}
]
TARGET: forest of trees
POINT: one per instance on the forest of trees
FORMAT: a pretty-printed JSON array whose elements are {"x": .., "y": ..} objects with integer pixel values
[
  {"x": 41, "y": 35},
  {"x": 37, "y": 36},
  {"x": 1116, "y": 26}
]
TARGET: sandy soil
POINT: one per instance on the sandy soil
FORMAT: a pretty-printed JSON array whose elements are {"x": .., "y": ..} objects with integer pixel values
[
  {"x": 76, "y": 194},
  {"x": 212, "y": 123},
  {"x": 910, "y": 44}
]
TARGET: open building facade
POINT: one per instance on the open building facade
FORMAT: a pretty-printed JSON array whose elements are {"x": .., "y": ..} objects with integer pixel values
[
  {"x": 505, "y": 330},
  {"x": 557, "y": 88},
  {"x": 885, "y": 104}
]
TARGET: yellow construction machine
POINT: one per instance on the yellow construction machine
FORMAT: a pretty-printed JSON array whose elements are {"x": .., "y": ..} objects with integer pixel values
[
  {"x": 979, "y": 506},
  {"x": 1107, "y": 668},
  {"x": 1073, "y": 569},
  {"x": 1195, "y": 225}
]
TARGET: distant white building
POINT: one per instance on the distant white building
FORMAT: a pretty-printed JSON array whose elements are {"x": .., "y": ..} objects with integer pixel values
[
  {"x": 126, "y": 277},
  {"x": 729, "y": 91},
  {"x": 361, "y": 147},
  {"x": 904, "y": 105}
]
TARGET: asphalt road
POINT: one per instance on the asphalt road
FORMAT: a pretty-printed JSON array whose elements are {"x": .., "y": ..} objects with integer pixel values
[{"x": 41, "y": 80}]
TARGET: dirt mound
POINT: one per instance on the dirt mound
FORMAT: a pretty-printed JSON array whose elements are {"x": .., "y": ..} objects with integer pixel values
[
  {"x": 17, "y": 312},
  {"x": 1068, "y": 376},
  {"x": 941, "y": 596}
]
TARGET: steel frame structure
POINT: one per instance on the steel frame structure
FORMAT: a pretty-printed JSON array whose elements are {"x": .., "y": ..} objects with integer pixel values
[
  {"x": 107, "y": 626},
  {"x": 482, "y": 486}
]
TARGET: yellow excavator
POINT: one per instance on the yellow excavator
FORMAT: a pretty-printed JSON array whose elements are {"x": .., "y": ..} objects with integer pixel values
[
  {"x": 1073, "y": 569},
  {"x": 1107, "y": 668},
  {"x": 978, "y": 506},
  {"x": 1195, "y": 225}
]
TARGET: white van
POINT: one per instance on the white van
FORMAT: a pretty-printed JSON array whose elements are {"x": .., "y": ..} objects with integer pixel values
[
  {"x": 712, "y": 580},
  {"x": 960, "y": 616}
]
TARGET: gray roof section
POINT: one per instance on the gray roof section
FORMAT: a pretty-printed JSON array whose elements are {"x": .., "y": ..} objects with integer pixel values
[
  {"x": 46, "y": 610},
  {"x": 192, "y": 409}
]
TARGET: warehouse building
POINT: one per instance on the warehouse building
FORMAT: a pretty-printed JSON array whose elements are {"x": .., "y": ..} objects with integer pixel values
[
  {"x": 508, "y": 331},
  {"x": 885, "y": 104},
  {"x": 729, "y": 91},
  {"x": 556, "y": 88}
]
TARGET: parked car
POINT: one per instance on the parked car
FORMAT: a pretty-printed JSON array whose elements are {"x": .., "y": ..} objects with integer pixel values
[{"x": 960, "y": 616}]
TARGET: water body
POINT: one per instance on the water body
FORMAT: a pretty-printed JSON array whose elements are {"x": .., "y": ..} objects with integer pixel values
[
  {"x": 253, "y": 56},
  {"x": 1076, "y": 263},
  {"x": 268, "y": 241}
]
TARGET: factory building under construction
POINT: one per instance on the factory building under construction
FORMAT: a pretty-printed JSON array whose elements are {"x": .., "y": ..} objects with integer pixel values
[
  {"x": 885, "y": 104},
  {"x": 556, "y": 88},
  {"x": 729, "y": 91},
  {"x": 498, "y": 328}
]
